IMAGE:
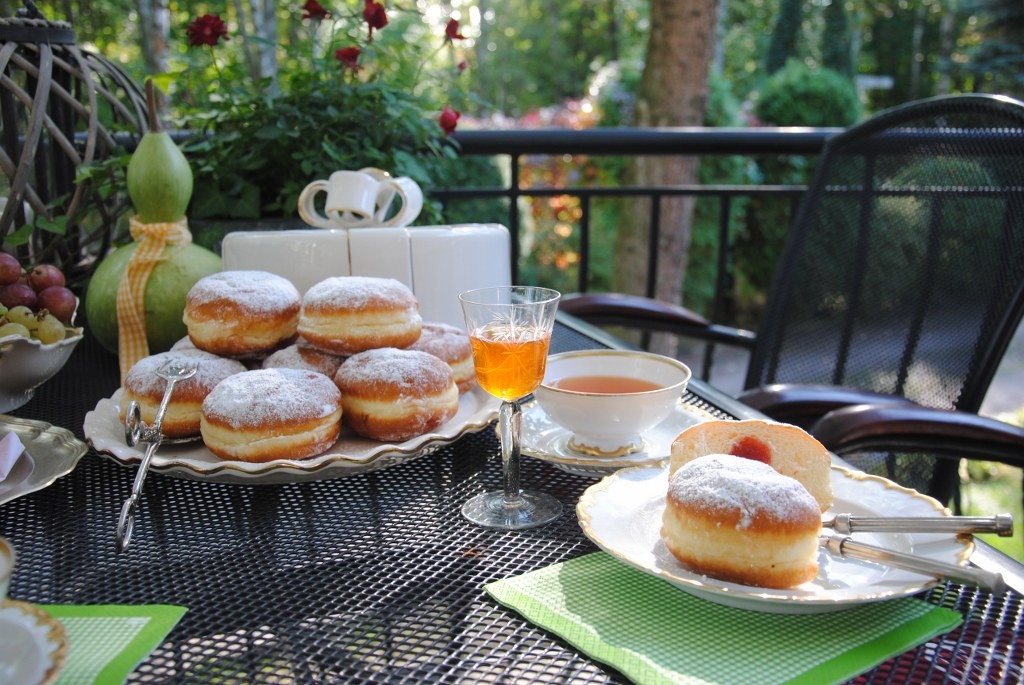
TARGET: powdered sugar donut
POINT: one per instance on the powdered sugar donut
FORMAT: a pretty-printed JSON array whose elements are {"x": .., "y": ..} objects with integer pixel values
[
  {"x": 302, "y": 355},
  {"x": 451, "y": 345},
  {"x": 349, "y": 314},
  {"x": 790, "y": 450},
  {"x": 268, "y": 414},
  {"x": 242, "y": 314},
  {"x": 742, "y": 521},
  {"x": 181, "y": 419},
  {"x": 392, "y": 394}
]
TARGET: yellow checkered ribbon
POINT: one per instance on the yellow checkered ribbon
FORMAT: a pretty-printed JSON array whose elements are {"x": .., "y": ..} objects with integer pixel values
[{"x": 152, "y": 240}]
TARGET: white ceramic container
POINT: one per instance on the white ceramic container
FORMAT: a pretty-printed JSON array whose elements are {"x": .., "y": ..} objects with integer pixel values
[{"x": 611, "y": 425}]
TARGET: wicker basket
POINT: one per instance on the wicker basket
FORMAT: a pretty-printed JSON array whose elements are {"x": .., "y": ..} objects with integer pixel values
[{"x": 61, "y": 107}]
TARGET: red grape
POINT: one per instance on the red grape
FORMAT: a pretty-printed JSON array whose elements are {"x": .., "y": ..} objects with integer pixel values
[
  {"x": 45, "y": 276},
  {"x": 15, "y": 294},
  {"x": 10, "y": 269},
  {"x": 59, "y": 301}
]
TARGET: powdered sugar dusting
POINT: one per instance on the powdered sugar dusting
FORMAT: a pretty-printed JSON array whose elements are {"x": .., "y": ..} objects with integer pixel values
[
  {"x": 358, "y": 292},
  {"x": 143, "y": 381},
  {"x": 268, "y": 397},
  {"x": 303, "y": 356},
  {"x": 255, "y": 291},
  {"x": 388, "y": 370},
  {"x": 722, "y": 482},
  {"x": 444, "y": 341}
]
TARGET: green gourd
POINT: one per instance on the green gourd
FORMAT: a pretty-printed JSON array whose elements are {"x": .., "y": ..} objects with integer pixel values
[
  {"x": 160, "y": 186},
  {"x": 159, "y": 176}
]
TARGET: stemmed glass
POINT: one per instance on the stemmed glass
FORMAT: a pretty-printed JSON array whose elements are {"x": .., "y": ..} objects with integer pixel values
[{"x": 510, "y": 329}]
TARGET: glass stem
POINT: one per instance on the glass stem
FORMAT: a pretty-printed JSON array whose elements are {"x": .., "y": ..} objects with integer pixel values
[{"x": 509, "y": 430}]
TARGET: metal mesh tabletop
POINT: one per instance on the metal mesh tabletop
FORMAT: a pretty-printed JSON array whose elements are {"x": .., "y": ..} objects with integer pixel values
[{"x": 368, "y": 578}]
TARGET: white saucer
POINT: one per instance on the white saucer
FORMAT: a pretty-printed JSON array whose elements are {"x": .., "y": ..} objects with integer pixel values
[
  {"x": 34, "y": 646},
  {"x": 544, "y": 439}
]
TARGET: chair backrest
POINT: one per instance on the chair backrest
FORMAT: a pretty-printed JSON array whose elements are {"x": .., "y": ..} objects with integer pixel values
[{"x": 904, "y": 270}]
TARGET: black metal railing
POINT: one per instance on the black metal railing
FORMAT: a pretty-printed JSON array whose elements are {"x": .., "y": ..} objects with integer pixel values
[{"x": 634, "y": 142}]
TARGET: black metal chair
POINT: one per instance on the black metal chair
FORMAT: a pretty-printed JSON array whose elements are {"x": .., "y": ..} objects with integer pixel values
[{"x": 898, "y": 292}]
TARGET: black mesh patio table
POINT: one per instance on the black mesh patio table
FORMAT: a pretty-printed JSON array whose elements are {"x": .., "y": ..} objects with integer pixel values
[{"x": 373, "y": 577}]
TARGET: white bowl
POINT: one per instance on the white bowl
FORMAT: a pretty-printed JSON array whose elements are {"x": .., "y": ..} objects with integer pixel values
[
  {"x": 611, "y": 424},
  {"x": 26, "y": 364}
]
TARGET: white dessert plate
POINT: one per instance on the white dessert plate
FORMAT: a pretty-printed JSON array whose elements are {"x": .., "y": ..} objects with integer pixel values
[
  {"x": 34, "y": 645},
  {"x": 544, "y": 439},
  {"x": 50, "y": 452},
  {"x": 622, "y": 514},
  {"x": 349, "y": 455}
]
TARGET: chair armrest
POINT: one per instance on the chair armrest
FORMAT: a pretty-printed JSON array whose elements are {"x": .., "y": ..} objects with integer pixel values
[
  {"x": 634, "y": 311},
  {"x": 802, "y": 405},
  {"x": 912, "y": 427}
]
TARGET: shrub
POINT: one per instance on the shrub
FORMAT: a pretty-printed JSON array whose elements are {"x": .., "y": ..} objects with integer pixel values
[{"x": 801, "y": 96}]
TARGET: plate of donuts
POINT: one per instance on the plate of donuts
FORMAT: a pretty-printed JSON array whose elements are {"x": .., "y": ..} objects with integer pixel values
[
  {"x": 350, "y": 454},
  {"x": 623, "y": 514}
]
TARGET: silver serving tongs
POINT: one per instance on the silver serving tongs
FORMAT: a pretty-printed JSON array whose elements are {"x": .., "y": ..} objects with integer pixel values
[
  {"x": 135, "y": 431},
  {"x": 843, "y": 546},
  {"x": 847, "y": 524}
]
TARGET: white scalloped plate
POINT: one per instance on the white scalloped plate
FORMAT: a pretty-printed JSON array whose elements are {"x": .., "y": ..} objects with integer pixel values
[
  {"x": 622, "y": 514},
  {"x": 50, "y": 452},
  {"x": 351, "y": 454},
  {"x": 34, "y": 645}
]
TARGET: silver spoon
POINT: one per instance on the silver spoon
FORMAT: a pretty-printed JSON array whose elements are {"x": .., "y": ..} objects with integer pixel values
[
  {"x": 136, "y": 431},
  {"x": 1001, "y": 524}
]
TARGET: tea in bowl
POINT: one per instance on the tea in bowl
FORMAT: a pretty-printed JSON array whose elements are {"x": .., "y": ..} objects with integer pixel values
[{"x": 608, "y": 398}]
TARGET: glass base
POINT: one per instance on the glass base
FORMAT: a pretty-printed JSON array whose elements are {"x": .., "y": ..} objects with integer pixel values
[{"x": 492, "y": 510}]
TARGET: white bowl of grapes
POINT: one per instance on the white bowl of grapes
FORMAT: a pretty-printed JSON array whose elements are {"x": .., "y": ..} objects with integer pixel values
[{"x": 37, "y": 331}]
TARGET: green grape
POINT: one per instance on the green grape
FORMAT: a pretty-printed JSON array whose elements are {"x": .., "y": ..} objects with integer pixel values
[
  {"x": 15, "y": 329},
  {"x": 23, "y": 315},
  {"x": 50, "y": 330}
]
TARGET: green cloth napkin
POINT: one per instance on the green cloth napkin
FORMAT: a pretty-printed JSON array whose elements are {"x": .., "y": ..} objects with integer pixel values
[
  {"x": 107, "y": 641},
  {"x": 654, "y": 632}
]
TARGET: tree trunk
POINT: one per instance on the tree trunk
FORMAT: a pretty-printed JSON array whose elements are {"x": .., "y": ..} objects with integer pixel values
[
  {"x": 673, "y": 91},
  {"x": 155, "y": 30},
  {"x": 264, "y": 19}
]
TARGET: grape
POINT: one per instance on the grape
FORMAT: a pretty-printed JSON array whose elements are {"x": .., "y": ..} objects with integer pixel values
[
  {"x": 59, "y": 301},
  {"x": 15, "y": 294},
  {"x": 23, "y": 315},
  {"x": 45, "y": 276},
  {"x": 10, "y": 269},
  {"x": 50, "y": 330},
  {"x": 14, "y": 329}
]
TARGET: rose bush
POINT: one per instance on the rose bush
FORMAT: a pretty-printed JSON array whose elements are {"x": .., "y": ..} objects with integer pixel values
[{"x": 363, "y": 87}]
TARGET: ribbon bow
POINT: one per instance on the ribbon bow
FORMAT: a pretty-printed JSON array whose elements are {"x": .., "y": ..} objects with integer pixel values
[{"x": 152, "y": 240}]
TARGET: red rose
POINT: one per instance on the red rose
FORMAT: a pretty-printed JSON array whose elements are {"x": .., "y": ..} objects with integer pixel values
[
  {"x": 449, "y": 119},
  {"x": 206, "y": 30},
  {"x": 451, "y": 31},
  {"x": 375, "y": 15},
  {"x": 311, "y": 9},
  {"x": 349, "y": 57},
  {"x": 462, "y": 65}
]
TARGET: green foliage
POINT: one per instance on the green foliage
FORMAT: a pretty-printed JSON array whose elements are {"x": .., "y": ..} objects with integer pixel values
[
  {"x": 801, "y": 96},
  {"x": 785, "y": 35},
  {"x": 259, "y": 143},
  {"x": 835, "y": 40},
  {"x": 533, "y": 54}
]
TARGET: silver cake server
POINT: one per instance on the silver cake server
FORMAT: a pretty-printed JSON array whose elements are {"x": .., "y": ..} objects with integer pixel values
[
  {"x": 843, "y": 546},
  {"x": 136, "y": 431}
]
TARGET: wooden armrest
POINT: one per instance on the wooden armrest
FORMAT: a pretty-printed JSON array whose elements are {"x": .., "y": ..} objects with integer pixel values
[
  {"x": 912, "y": 427},
  {"x": 802, "y": 405},
  {"x": 634, "y": 311}
]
